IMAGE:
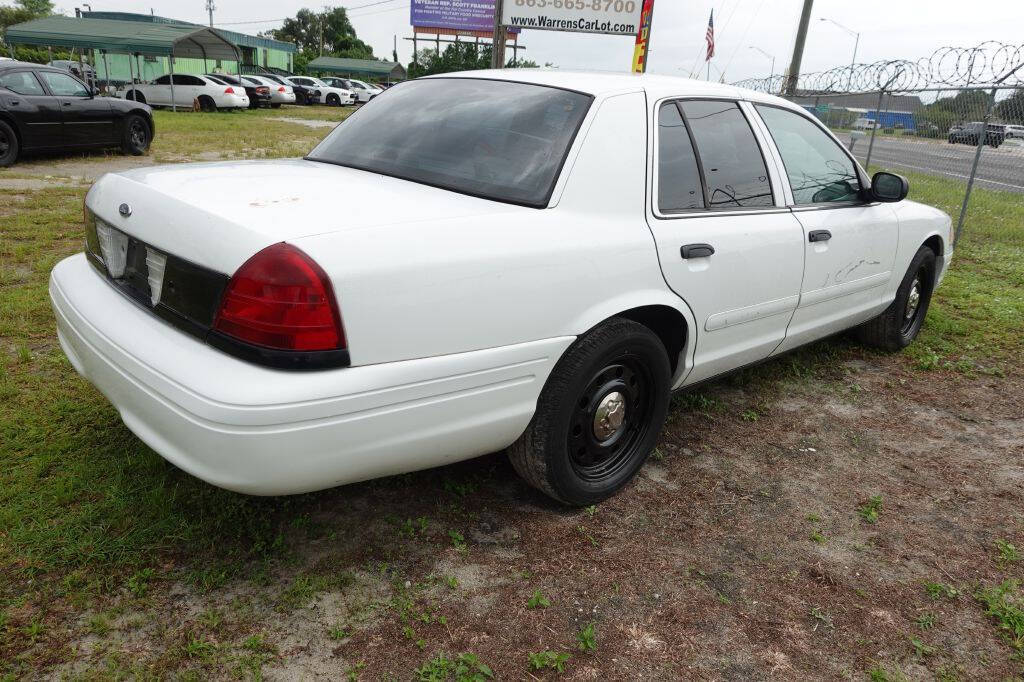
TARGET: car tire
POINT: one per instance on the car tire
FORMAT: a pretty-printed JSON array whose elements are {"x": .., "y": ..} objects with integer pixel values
[
  {"x": 9, "y": 146},
  {"x": 895, "y": 328},
  {"x": 333, "y": 100},
  {"x": 599, "y": 415},
  {"x": 207, "y": 104},
  {"x": 137, "y": 135},
  {"x": 275, "y": 105}
]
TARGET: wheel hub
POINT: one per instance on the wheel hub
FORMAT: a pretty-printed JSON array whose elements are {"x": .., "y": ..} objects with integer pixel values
[
  {"x": 609, "y": 415},
  {"x": 913, "y": 299}
]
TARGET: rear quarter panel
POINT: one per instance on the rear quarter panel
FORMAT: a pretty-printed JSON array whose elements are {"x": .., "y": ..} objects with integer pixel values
[{"x": 446, "y": 286}]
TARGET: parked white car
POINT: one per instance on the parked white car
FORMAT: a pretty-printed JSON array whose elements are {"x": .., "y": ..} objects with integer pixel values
[
  {"x": 279, "y": 94},
  {"x": 537, "y": 260},
  {"x": 1014, "y": 131},
  {"x": 864, "y": 124},
  {"x": 188, "y": 89},
  {"x": 331, "y": 95},
  {"x": 363, "y": 92}
]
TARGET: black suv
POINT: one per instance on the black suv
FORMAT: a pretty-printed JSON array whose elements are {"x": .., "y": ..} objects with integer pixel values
[
  {"x": 970, "y": 133},
  {"x": 47, "y": 108}
]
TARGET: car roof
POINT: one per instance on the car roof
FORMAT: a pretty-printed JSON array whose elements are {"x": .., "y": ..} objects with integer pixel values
[
  {"x": 7, "y": 65},
  {"x": 600, "y": 83}
]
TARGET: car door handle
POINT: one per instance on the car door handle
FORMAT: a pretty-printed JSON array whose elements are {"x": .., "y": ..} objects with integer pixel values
[
  {"x": 67, "y": 104},
  {"x": 819, "y": 236},
  {"x": 696, "y": 251}
]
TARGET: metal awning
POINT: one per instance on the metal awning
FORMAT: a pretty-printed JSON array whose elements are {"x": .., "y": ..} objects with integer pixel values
[
  {"x": 128, "y": 37},
  {"x": 367, "y": 67}
]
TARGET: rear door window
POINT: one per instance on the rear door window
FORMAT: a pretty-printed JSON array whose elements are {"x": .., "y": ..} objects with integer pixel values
[
  {"x": 21, "y": 82},
  {"x": 679, "y": 187},
  {"x": 731, "y": 161}
]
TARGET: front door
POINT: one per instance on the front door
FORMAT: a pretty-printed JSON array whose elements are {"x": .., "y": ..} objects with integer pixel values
[
  {"x": 36, "y": 112},
  {"x": 87, "y": 120},
  {"x": 725, "y": 246},
  {"x": 850, "y": 244}
]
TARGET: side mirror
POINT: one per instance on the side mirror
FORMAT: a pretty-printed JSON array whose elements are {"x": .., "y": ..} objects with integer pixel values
[
  {"x": 94, "y": 91},
  {"x": 889, "y": 187}
]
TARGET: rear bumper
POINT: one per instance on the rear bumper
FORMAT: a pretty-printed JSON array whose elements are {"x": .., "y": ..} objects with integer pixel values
[{"x": 266, "y": 432}]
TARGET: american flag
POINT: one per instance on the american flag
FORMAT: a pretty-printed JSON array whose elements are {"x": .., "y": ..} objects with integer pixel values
[{"x": 710, "y": 37}]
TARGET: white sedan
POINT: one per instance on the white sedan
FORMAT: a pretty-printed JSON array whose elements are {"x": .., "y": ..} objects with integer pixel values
[
  {"x": 279, "y": 94},
  {"x": 188, "y": 90},
  {"x": 329, "y": 94},
  {"x": 363, "y": 92},
  {"x": 557, "y": 252}
]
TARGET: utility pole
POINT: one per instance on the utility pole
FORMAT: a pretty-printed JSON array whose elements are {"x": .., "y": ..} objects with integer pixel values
[
  {"x": 798, "y": 48},
  {"x": 498, "y": 39},
  {"x": 209, "y": 10}
]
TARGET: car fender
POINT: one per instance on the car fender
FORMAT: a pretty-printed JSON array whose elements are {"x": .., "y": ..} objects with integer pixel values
[{"x": 590, "y": 317}]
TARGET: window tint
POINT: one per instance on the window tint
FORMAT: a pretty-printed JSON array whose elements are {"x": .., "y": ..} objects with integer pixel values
[
  {"x": 679, "y": 185},
  {"x": 733, "y": 167},
  {"x": 21, "y": 82},
  {"x": 163, "y": 80},
  {"x": 818, "y": 169},
  {"x": 496, "y": 139},
  {"x": 63, "y": 84}
]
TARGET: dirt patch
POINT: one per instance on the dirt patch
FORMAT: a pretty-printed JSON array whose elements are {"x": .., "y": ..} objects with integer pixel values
[
  {"x": 740, "y": 553},
  {"x": 308, "y": 122}
]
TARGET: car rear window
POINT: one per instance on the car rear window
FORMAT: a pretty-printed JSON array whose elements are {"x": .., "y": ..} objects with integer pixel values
[{"x": 489, "y": 138}]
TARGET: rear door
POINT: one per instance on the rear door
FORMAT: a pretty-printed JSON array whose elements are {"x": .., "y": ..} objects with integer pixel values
[
  {"x": 186, "y": 89},
  {"x": 849, "y": 243},
  {"x": 726, "y": 243},
  {"x": 87, "y": 120},
  {"x": 36, "y": 111}
]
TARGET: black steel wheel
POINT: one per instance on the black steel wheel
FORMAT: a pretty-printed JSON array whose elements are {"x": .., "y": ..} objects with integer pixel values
[
  {"x": 8, "y": 145},
  {"x": 599, "y": 415},
  {"x": 901, "y": 322},
  {"x": 136, "y": 135},
  {"x": 611, "y": 419}
]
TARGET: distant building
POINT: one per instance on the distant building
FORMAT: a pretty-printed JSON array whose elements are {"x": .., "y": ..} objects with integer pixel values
[
  {"x": 898, "y": 111},
  {"x": 256, "y": 51}
]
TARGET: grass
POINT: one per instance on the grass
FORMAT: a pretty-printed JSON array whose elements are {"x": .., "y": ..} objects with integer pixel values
[{"x": 88, "y": 512}]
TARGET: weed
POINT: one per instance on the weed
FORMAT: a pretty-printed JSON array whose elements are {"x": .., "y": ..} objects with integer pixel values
[
  {"x": 337, "y": 633},
  {"x": 813, "y": 518},
  {"x": 463, "y": 668},
  {"x": 750, "y": 416},
  {"x": 940, "y": 590},
  {"x": 458, "y": 541},
  {"x": 589, "y": 538},
  {"x": 591, "y": 510},
  {"x": 555, "y": 660},
  {"x": 99, "y": 625},
  {"x": 1005, "y": 605},
  {"x": 200, "y": 648},
  {"x": 34, "y": 629},
  {"x": 920, "y": 648},
  {"x": 138, "y": 584},
  {"x": 352, "y": 673},
  {"x": 821, "y": 618},
  {"x": 1007, "y": 552},
  {"x": 538, "y": 601},
  {"x": 817, "y": 537},
  {"x": 657, "y": 455},
  {"x": 452, "y": 581},
  {"x": 880, "y": 673},
  {"x": 926, "y": 621},
  {"x": 869, "y": 510},
  {"x": 586, "y": 639}
]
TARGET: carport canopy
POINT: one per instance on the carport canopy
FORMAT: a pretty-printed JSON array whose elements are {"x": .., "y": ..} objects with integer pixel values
[
  {"x": 362, "y": 67},
  {"x": 128, "y": 37}
]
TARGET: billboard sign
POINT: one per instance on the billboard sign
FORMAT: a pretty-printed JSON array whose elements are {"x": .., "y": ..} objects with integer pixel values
[
  {"x": 456, "y": 15},
  {"x": 614, "y": 17}
]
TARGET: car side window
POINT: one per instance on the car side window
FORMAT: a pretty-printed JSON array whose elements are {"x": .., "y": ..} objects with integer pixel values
[
  {"x": 734, "y": 170},
  {"x": 163, "y": 80},
  {"x": 679, "y": 187},
  {"x": 22, "y": 82},
  {"x": 64, "y": 85},
  {"x": 819, "y": 170}
]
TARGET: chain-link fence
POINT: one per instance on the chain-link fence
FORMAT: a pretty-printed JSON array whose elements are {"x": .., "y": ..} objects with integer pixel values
[{"x": 957, "y": 116}]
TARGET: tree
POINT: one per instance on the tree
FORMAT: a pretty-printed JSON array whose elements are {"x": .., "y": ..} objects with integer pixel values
[
  {"x": 27, "y": 10},
  {"x": 329, "y": 33},
  {"x": 456, "y": 57},
  {"x": 1011, "y": 109}
]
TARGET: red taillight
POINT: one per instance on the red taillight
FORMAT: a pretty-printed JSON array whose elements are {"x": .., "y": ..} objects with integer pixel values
[
  {"x": 280, "y": 298},
  {"x": 281, "y": 89},
  {"x": 229, "y": 91}
]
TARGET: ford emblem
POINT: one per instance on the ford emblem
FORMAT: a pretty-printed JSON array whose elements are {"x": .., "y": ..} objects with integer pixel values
[{"x": 125, "y": 210}]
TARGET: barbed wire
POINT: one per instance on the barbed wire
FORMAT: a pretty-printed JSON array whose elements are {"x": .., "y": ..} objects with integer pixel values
[{"x": 986, "y": 64}]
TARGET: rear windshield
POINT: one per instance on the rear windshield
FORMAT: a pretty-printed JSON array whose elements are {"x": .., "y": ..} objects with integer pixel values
[{"x": 489, "y": 138}]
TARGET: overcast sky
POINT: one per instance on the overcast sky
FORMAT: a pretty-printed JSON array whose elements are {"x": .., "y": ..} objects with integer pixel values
[{"x": 889, "y": 29}]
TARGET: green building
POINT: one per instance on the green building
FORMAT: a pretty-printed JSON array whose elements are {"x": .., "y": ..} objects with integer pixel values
[{"x": 256, "y": 51}]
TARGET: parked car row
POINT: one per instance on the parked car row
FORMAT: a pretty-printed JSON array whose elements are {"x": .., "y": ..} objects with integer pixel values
[
  {"x": 45, "y": 108},
  {"x": 213, "y": 91},
  {"x": 970, "y": 133}
]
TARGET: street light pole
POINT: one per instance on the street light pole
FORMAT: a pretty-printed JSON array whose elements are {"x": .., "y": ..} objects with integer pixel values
[
  {"x": 856, "y": 44},
  {"x": 771, "y": 57}
]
